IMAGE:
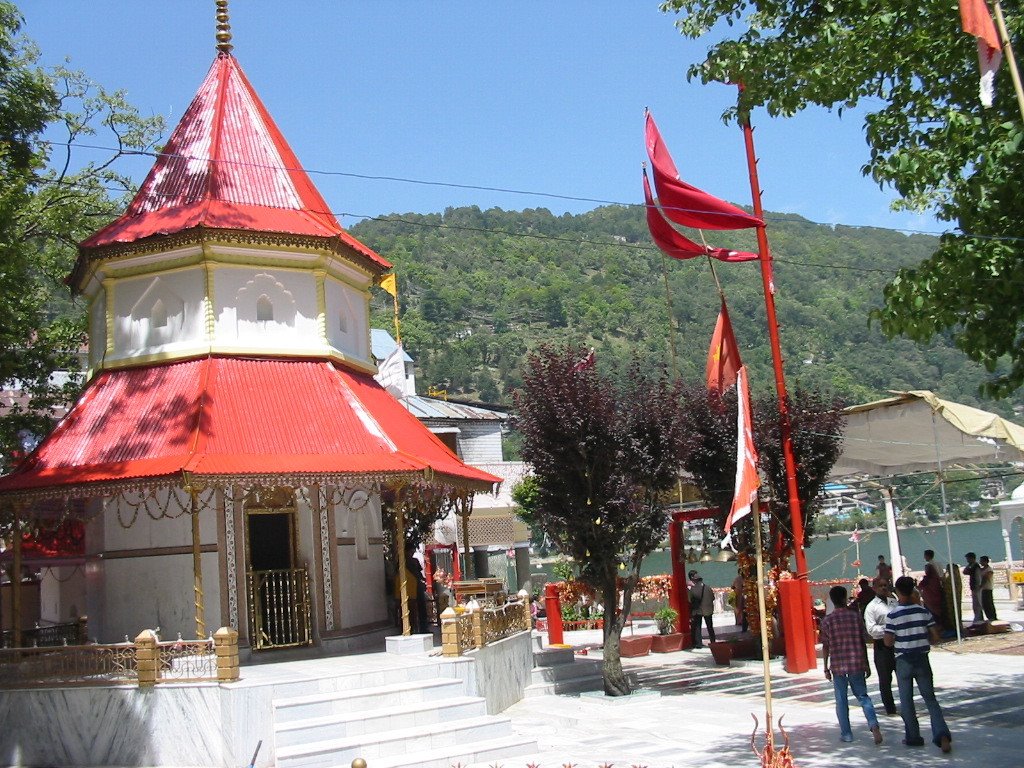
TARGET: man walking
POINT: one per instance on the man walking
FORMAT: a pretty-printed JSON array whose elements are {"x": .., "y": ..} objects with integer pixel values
[
  {"x": 974, "y": 580},
  {"x": 845, "y": 657},
  {"x": 885, "y": 660},
  {"x": 986, "y": 578},
  {"x": 909, "y": 631}
]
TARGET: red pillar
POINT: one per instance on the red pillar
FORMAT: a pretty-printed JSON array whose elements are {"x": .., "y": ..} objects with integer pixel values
[
  {"x": 679, "y": 598},
  {"x": 801, "y": 627},
  {"x": 554, "y": 614}
]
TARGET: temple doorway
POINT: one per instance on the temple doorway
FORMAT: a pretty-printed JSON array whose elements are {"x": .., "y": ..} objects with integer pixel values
[{"x": 278, "y": 587}]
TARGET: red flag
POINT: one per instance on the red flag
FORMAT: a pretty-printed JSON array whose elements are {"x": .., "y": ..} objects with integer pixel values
[
  {"x": 977, "y": 21},
  {"x": 747, "y": 480},
  {"x": 675, "y": 244},
  {"x": 586, "y": 362},
  {"x": 685, "y": 204},
  {"x": 724, "y": 354}
]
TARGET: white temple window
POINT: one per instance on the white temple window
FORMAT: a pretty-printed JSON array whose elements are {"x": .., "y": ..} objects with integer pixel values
[
  {"x": 158, "y": 315},
  {"x": 264, "y": 309},
  {"x": 342, "y": 322}
]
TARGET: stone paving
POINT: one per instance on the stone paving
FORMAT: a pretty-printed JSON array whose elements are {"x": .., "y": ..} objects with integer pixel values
[{"x": 694, "y": 713}]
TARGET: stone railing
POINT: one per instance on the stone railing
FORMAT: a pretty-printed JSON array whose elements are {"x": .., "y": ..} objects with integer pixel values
[
  {"x": 477, "y": 627},
  {"x": 144, "y": 662}
]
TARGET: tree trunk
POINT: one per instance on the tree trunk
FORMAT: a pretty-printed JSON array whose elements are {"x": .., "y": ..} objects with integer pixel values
[{"x": 615, "y": 681}]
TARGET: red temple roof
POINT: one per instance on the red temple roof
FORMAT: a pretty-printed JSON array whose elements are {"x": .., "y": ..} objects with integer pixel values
[
  {"x": 227, "y": 166},
  {"x": 219, "y": 416}
]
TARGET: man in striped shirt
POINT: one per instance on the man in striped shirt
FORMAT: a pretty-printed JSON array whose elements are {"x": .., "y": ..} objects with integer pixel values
[{"x": 910, "y": 630}]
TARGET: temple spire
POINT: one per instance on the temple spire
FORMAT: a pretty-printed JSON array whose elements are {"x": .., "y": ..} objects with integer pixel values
[{"x": 223, "y": 28}]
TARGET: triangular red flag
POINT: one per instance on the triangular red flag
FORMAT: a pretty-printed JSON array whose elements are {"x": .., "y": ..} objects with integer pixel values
[
  {"x": 677, "y": 245},
  {"x": 685, "y": 204},
  {"x": 977, "y": 21},
  {"x": 724, "y": 354},
  {"x": 747, "y": 480}
]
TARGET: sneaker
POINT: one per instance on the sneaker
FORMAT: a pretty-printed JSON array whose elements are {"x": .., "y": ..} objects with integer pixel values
[
  {"x": 946, "y": 743},
  {"x": 877, "y": 733},
  {"x": 847, "y": 737},
  {"x": 918, "y": 742}
]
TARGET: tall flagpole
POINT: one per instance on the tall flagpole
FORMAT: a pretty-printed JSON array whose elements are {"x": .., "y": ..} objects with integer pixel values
[{"x": 806, "y": 632}]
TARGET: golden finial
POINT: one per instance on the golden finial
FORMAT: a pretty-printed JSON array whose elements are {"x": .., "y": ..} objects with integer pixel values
[{"x": 223, "y": 28}]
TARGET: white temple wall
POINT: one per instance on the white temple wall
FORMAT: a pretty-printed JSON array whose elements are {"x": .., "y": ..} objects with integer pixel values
[
  {"x": 62, "y": 595},
  {"x": 156, "y": 314},
  {"x": 360, "y": 554},
  {"x": 266, "y": 307},
  {"x": 97, "y": 330},
  {"x": 479, "y": 441},
  {"x": 347, "y": 320}
]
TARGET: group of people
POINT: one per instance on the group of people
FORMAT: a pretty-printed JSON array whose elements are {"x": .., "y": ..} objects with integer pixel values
[
  {"x": 939, "y": 588},
  {"x": 901, "y": 631}
]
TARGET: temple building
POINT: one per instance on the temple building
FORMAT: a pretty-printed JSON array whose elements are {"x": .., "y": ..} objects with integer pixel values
[{"x": 232, "y": 458}]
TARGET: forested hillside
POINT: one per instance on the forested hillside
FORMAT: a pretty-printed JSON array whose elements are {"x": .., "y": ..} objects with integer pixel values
[{"x": 480, "y": 288}]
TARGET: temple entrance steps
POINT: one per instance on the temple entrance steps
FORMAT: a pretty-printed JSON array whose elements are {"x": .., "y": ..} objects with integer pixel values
[
  {"x": 414, "y": 716},
  {"x": 560, "y": 671}
]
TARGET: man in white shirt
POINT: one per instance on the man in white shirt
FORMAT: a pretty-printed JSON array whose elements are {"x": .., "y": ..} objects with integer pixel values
[{"x": 885, "y": 659}]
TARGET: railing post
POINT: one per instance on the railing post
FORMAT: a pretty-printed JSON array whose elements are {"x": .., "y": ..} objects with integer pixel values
[
  {"x": 225, "y": 645},
  {"x": 147, "y": 657},
  {"x": 450, "y": 645},
  {"x": 478, "y": 627}
]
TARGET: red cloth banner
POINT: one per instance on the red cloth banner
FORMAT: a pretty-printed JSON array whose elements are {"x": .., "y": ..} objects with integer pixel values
[
  {"x": 977, "y": 21},
  {"x": 685, "y": 204},
  {"x": 723, "y": 354},
  {"x": 678, "y": 246},
  {"x": 747, "y": 480}
]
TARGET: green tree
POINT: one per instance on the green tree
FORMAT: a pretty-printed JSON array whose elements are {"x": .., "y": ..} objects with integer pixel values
[
  {"x": 930, "y": 139},
  {"x": 49, "y": 200},
  {"x": 601, "y": 454}
]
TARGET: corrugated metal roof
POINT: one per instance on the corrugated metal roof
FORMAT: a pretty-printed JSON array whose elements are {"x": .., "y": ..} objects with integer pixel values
[
  {"x": 432, "y": 408},
  {"x": 383, "y": 344},
  {"x": 225, "y": 416},
  {"x": 227, "y": 166}
]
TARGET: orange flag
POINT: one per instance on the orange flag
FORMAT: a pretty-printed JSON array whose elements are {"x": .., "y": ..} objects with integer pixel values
[
  {"x": 747, "y": 480},
  {"x": 724, "y": 355},
  {"x": 977, "y": 21}
]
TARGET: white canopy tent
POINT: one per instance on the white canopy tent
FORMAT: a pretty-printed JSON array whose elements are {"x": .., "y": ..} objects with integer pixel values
[{"x": 918, "y": 431}]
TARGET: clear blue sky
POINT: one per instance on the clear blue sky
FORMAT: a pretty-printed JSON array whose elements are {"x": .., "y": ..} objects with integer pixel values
[{"x": 538, "y": 96}]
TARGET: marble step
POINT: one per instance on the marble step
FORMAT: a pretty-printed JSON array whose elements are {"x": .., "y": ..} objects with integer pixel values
[
  {"x": 550, "y": 657},
  {"x": 590, "y": 682},
  {"x": 486, "y": 753},
  {"x": 342, "y": 702},
  {"x": 559, "y": 672},
  {"x": 360, "y": 721},
  {"x": 394, "y": 743},
  {"x": 371, "y": 677}
]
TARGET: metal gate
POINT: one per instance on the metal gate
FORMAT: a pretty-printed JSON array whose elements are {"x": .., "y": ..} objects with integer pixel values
[{"x": 279, "y": 608}]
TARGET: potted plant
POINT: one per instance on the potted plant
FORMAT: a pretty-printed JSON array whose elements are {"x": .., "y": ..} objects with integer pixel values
[
  {"x": 665, "y": 618},
  {"x": 667, "y": 639}
]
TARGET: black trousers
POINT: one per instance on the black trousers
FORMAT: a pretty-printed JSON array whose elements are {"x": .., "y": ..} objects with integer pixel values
[
  {"x": 988, "y": 604},
  {"x": 695, "y": 632},
  {"x": 885, "y": 665}
]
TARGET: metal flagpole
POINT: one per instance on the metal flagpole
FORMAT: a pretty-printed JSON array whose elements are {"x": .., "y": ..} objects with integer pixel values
[
  {"x": 949, "y": 545},
  {"x": 762, "y": 609}
]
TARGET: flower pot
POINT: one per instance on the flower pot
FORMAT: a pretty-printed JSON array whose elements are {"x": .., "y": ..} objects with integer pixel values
[
  {"x": 667, "y": 643},
  {"x": 722, "y": 652},
  {"x": 638, "y": 645}
]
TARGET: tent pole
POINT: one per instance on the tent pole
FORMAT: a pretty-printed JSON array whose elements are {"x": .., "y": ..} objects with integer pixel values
[
  {"x": 895, "y": 552},
  {"x": 949, "y": 545}
]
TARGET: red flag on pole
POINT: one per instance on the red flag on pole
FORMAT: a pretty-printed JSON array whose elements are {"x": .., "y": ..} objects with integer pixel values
[
  {"x": 747, "y": 480},
  {"x": 677, "y": 245},
  {"x": 977, "y": 21},
  {"x": 724, "y": 361},
  {"x": 586, "y": 362},
  {"x": 685, "y": 204}
]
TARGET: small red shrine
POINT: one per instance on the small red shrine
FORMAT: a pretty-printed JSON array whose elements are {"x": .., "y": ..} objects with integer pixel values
[{"x": 232, "y": 458}]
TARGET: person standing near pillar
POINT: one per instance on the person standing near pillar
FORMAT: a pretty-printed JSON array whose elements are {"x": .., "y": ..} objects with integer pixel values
[
  {"x": 910, "y": 630},
  {"x": 885, "y": 660},
  {"x": 974, "y": 582},
  {"x": 702, "y": 608},
  {"x": 986, "y": 578},
  {"x": 931, "y": 586}
]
